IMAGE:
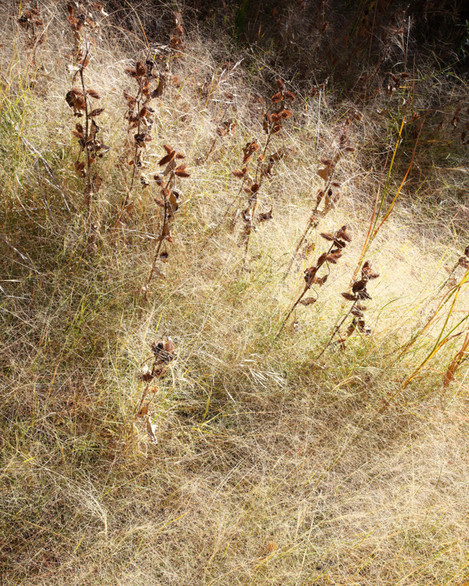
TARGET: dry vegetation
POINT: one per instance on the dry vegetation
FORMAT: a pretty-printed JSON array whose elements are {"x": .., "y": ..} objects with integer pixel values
[{"x": 184, "y": 401}]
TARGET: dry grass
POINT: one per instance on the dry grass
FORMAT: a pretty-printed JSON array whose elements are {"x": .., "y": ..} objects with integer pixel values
[{"x": 270, "y": 467}]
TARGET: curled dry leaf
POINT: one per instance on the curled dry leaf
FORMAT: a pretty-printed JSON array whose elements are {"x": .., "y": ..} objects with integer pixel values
[
  {"x": 181, "y": 171},
  {"x": 146, "y": 374},
  {"x": 280, "y": 84},
  {"x": 278, "y": 97},
  {"x": 144, "y": 409},
  {"x": 264, "y": 217},
  {"x": 151, "y": 430},
  {"x": 357, "y": 312},
  {"x": 167, "y": 159},
  {"x": 320, "y": 280},
  {"x": 325, "y": 173},
  {"x": 164, "y": 351},
  {"x": 359, "y": 285},
  {"x": 80, "y": 168},
  {"x": 308, "y": 300},
  {"x": 96, "y": 112}
]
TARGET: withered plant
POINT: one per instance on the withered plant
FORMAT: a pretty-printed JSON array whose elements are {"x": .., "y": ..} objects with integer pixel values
[
  {"x": 32, "y": 24},
  {"x": 165, "y": 54},
  {"x": 167, "y": 180},
  {"x": 339, "y": 241},
  {"x": 163, "y": 355},
  {"x": 461, "y": 356},
  {"x": 140, "y": 120},
  {"x": 358, "y": 294},
  {"x": 327, "y": 197},
  {"x": 80, "y": 99},
  {"x": 253, "y": 178},
  {"x": 225, "y": 128},
  {"x": 462, "y": 262},
  {"x": 176, "y": 41}
]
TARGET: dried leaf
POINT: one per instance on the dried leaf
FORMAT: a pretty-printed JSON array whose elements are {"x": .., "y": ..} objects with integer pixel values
[
  {"x": 308, "y": 300},
  {"x": 96, "y": 183},
  {"x": 161, "y": 352},
  {"x": 321, "y": 260},
  {"x": 151, "y": 430},
  {"x": 181, "y": 171},
  {"x": 96, "y": 112},
  {"x": 349, "y": 296},
  {"x": 167, "y": 159},
  {"x": 320, "y": 280},
  {"x": 359, "y": 285},
  {"x": 264, "y": 217},
  {"x": 325, "y": 173},
  {"x": 343, "y": 234},
  {"x": 278, "y": 97},
  {"x": 280, "y": 84},
  {"x": 158, "y": 91},
  {"x": 80, "y": 168},
  {"x": 144, "y": 409}
]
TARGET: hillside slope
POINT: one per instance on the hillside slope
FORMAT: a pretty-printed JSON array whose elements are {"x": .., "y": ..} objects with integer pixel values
[{"x": 187, "y": 396}]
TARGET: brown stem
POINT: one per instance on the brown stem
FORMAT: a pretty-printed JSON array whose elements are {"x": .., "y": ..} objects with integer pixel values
[
  {"x": 307, "y": 287},
  {"x": 86, "y": 138},
  {"x": 294, "y": 306},
  {"x": 312, "y": 223},
  {"x": 134, "y": 169},
  {"x": 253, "y": 205},
  {"x": 144, "y": 394},
  {"x": 162, "y": 236},
  {"x": 336, "y": 329}
]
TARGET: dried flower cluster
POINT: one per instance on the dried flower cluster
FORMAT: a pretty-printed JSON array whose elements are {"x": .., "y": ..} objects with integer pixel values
[{"x": 168, "y": 202}]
